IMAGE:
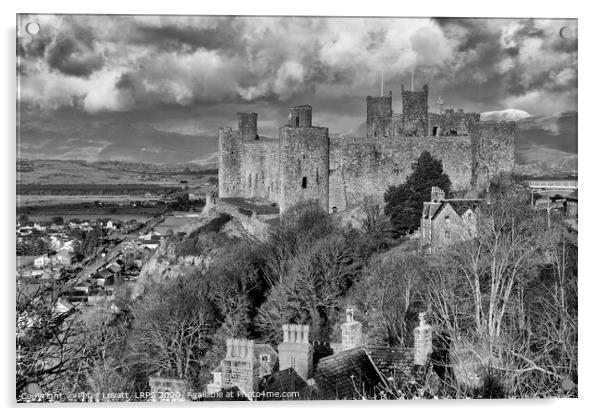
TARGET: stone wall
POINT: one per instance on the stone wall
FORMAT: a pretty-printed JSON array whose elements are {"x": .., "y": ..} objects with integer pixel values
[
  {"x": 248, "y": 169},
  {"x": 448, "y": 227},
  {"x": 247, "y": 126},
  {"x": 494, "y": 150},
  {"x": 299, "y": 116},
  {"x": 363, "y": 168},
  {"x": 229, "y": 151},
  {"x": 379, "y": 113},
  {"x": 415, "y": 112},
  {"x": 260, "y": 176},
  {"x": 452, "y": 123},
  {"x": 304, "y": 165}
]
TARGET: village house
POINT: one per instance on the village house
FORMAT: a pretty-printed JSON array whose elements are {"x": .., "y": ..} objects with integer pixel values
[
  {"x": 349, "y": 370},
  {"x": 65, "y": 257},
  {"x": 447, "y": 221}
]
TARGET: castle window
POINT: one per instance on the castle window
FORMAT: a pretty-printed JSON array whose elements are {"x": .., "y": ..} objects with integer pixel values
[
  {"x": 453, "y": 132},
  {"x": 317, "y": 177},
  {"x": 250, "y": 180},
  {"x": 334, "y": 210},
  {"x": 447, "y": 235},
  {"x": 304, "y": 182},
  {"x": 304, "y": 157},
  {"x": 435, "y": 131},
  {"x": 297, "y": 121},
  {"x": 447, "y": 219}
]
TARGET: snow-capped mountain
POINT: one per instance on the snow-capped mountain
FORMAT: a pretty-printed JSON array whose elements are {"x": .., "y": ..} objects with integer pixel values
[{"x": 509, "y": 114}]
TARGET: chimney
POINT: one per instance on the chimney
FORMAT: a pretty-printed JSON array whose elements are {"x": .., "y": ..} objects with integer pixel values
[
  {"x": 238, "y": 367},
  {"x": 295, "y": 351},
  {"x": 423, "y": 340},
  {"x": 437, "y": 194},
  {"x": 351, "y": 331}
]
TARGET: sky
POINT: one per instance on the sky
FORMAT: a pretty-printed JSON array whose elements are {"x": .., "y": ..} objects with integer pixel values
[{"x": 156, "y": 88}]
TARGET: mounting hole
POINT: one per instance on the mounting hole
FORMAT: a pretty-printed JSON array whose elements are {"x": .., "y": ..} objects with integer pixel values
[{"x": 32, "y": 28}]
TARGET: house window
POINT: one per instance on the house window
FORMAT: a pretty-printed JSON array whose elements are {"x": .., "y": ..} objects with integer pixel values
[
  {"x": 447, "y": 219},
  {"x": 304, "y": 182},
  {"x": 297, "y": 121}
]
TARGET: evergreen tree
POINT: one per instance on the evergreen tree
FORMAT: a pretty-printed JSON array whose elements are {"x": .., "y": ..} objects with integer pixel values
[{"x": 404, "y": 202}]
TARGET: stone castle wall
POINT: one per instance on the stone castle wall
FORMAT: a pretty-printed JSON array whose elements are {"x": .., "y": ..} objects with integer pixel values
[
  {"x": 495, "y": 150},
  {"x": 364, "y": 168},
  {"x": 304, "y": 164}
]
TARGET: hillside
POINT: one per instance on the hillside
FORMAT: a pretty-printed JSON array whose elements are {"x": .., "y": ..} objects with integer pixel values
[{"x": 44, "y": 172}]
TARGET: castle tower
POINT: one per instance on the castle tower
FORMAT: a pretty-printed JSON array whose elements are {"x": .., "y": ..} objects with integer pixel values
[
  {"x": 304, "y": 158},
  {"x": 299, "y": 116},
  {"x": 295, "y": 351},
  {"x": 247, "y": 126},
  {"x": 351, "y": 331},
  {"x": 229, "y": 150},
  {"x": 379, "y": 114},
  {"x": 415, "y": 113}
]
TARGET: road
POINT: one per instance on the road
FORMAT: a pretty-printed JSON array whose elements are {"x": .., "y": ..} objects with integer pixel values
[{"x": 114, "y": 252}]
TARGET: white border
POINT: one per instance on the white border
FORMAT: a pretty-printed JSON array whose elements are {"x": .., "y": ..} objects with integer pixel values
[{"x": 589, "y": 151}]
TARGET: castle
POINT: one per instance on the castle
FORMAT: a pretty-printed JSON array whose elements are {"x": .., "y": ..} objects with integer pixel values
[{"x": 304, "y": 162}]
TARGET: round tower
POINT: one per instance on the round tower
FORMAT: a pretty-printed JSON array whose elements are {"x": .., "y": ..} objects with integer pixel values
[
  {"x": 229, "y": 148},
  {"x": 304, "y": 160}
]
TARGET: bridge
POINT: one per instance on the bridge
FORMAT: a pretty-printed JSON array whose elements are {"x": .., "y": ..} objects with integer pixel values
[{"x": 552, "y": 184}]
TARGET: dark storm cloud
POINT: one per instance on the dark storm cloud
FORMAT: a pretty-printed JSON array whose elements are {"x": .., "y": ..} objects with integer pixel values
[
  {"x": 73, "y": 58},
  {"x": 189, "y": 75},
  {"x": 175, "y": 37}
]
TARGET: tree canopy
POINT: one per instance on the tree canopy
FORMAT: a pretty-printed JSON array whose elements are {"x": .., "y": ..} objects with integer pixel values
[{"x": 404, "y": 202}]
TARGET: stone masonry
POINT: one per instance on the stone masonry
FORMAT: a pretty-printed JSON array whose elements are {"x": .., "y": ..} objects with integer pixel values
[{"x": 305, "y": 163}]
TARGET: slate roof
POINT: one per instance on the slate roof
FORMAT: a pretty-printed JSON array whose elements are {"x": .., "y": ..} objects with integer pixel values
[
  {"x": 350, "y": 374},
  {"x": 392, "y": 362},
  {"x": 458, "y": 205},
  {"x": 284, "y": 381}
]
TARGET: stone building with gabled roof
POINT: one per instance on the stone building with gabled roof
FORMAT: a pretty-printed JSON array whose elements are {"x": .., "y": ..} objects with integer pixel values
[{"x": 447, "y": 221}]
